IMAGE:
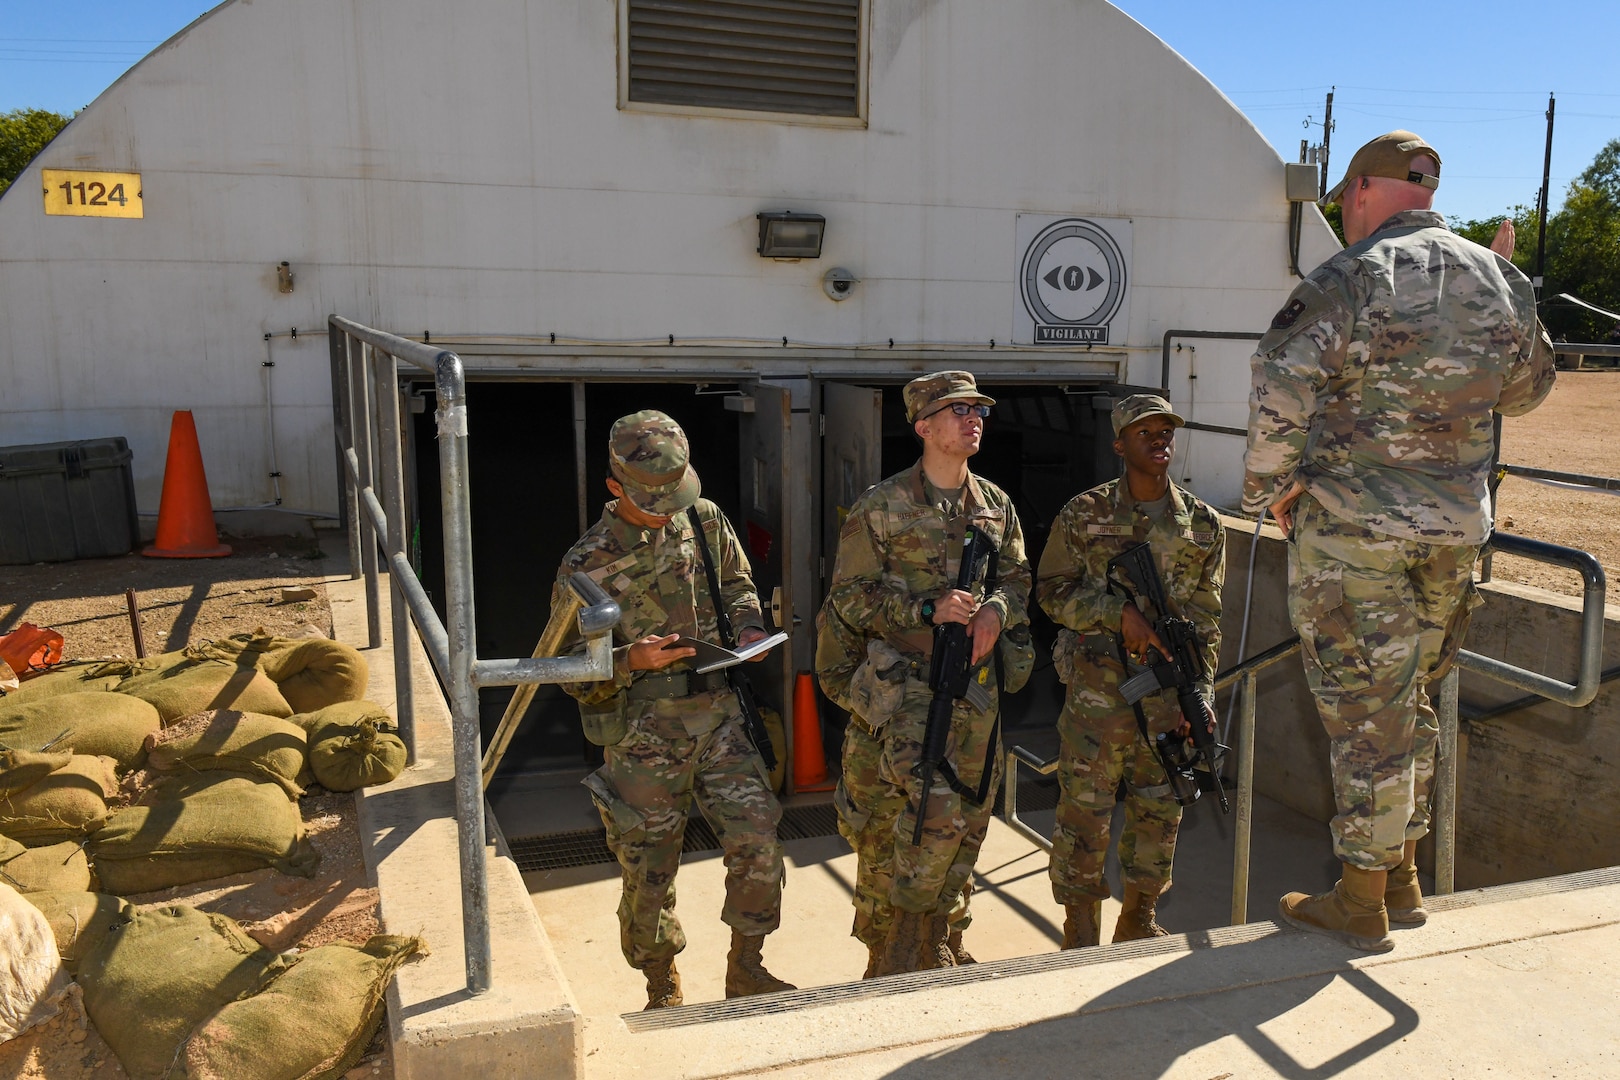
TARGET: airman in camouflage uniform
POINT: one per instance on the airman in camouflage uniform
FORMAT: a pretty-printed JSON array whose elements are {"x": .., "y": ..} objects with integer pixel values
[
  {"x": 1100, "y": 741},
  {"x": 1370, "y": 438},
  {"x": 892, "y": 583},
  {"x": 671, "y": 736}
]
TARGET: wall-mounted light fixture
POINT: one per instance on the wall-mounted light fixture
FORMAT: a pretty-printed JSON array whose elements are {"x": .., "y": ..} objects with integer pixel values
[
  {"x": 786, "y": 235},
  {"x": 284, "y": 277}
]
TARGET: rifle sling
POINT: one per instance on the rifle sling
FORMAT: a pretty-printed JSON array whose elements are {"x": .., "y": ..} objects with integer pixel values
[{"x": 722, "y": 620}]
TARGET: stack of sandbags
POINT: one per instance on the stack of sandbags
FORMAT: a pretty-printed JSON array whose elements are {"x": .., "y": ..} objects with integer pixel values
[
  {"x": 314, "y": 1020},
  {"x": 204, "y": 677},
  {"x": 79, "y": 920},
  {"x": 49, "y": 798},
  {"x": 54, "y": 868},
  {"x": 352, "y": 745},
  {"x": 75, "y": 676},
  {"x": 161, "y": 972},
  {"x": 108, "y": 725},
  {"x": 200, "y": 826},
  {"x": 31, "y": 974},
  {"x": 267, "y": 747}
]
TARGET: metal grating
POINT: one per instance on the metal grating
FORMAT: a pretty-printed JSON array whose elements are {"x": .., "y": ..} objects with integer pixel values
[
  {"x": 785, "y": 56},
  {"x": 587, "y": 847}
]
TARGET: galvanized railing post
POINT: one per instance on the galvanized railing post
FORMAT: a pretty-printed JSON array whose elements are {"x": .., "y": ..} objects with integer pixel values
[
  {"x": 1243, "y": 833},
  {"x": 463, "y": 643},
  {"x": 1445, "y": 787},
  {"x": 343, "y": 385},
  {"x": 360, "y": 462},
  {"x": 393, "y": 482}
]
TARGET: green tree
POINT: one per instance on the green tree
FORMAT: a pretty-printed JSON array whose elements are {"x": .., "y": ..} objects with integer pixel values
[
  {"x": 1583, "y": 251},
  {"x": 24, "y": 133}
]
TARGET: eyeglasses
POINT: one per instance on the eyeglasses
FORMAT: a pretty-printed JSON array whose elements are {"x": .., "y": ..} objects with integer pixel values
[{"x": 962, "y": 408}]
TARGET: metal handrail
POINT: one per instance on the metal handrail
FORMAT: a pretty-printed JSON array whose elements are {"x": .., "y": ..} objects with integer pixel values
[{"x": 368, "y": 386}]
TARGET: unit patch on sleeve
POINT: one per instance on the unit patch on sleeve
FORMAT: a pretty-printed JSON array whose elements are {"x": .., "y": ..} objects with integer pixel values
[{"x": 1290, "y": 311}]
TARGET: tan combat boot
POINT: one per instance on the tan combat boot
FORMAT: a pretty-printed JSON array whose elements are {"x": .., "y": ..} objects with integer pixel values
[
  {"x": 745, "y": 968},
  {"x": 663, "y": 984},
  {"x": 874, "y": 960},
  {"x": 1082, "y": 924},
  {"x": 1136, "y": 917},
  {"x": 1402, "y": 897},
  {"x": 954, "y": 942},
  {"x": 1352, "y": 911},
  {"x": 904, "y": 949},
  {"x": 936, "y": 943}
]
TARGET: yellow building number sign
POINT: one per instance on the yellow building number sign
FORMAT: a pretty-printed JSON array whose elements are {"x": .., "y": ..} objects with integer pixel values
[{"x": 92, "y": 194}]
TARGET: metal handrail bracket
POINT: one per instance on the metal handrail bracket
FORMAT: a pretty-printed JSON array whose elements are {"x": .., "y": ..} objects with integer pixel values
[{"x": 369, "y": 389}]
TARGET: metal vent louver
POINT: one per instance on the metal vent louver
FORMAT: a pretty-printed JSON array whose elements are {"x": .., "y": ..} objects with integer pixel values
[{"x": 782, "y": 56}]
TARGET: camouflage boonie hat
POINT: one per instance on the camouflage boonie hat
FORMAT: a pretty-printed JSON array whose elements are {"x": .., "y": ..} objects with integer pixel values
[
  {"x": 1389, "y": 155},
  {"x": 648, "y": 455},
  {"x": 930, "y": 393},
  {"x": 1139, "y": 406}
]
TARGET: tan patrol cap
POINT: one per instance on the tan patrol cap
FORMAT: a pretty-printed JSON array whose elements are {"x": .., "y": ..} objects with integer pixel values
[
  {"x": 1140, "y": 407},
  {"x": 649, "y": 456},
  {"x": 925, "y": 396},
  {"x": 1389, "y": 155}
]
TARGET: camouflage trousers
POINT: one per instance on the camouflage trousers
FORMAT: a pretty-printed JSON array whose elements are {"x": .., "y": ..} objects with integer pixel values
[
  {"x": 1100, "y": 745},
  {"x": 644, "y": 791},
  {"x": 1379, "y": 618},
  {"x": 877, "y": 800},
  {"x": 865, "y": 823}
]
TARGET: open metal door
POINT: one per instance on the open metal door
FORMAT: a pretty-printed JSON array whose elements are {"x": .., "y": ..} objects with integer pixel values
[
  {"x": 766, "y": 438},
  {"x": 851, "y": 458}
]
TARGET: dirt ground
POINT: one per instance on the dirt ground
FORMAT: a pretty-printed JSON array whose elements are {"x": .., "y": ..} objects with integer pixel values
[
  {"x": 1572, "y": 432},
  {"x": 181, "y": 602}
]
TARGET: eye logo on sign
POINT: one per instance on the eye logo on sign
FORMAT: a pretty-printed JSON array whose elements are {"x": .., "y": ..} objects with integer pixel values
[{"x": 1071, "y": 279}]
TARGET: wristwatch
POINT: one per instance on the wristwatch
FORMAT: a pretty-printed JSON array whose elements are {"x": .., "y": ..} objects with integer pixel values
[{"x": 927, "y": 611}]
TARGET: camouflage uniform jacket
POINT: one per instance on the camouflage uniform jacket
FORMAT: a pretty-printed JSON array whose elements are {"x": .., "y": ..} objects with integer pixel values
[
  {"x": 897, "y": 550},
  {"x": 657, "y": 577},
  {"x": 1376, "y": 382},
  {"x": 1189, "y": 546}
]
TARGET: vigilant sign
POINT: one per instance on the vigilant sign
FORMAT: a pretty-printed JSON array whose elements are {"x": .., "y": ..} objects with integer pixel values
[{"x": 1072, "y": 278}]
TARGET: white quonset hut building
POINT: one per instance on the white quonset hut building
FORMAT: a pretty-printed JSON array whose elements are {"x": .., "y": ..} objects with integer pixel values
[{"x": 568, "y": 194}]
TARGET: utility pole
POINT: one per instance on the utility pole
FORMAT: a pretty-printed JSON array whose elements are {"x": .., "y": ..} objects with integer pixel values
[
  {"x": 1541, "y": 208},
  {"x": 1327, "y": 140}
]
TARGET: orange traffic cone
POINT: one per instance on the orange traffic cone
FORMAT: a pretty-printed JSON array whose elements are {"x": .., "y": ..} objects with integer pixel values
[
  {"x": 809, "y": 759},
  {"x": 185, "y": 515}
]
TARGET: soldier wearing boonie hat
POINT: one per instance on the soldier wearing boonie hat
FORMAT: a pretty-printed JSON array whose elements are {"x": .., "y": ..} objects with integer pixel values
[
  {"x": 689, "y": 741},
  {"x": 1105, "y": 640},
  {"x": 893, "y": 581},
  {"x": 1370, "y": 443}
]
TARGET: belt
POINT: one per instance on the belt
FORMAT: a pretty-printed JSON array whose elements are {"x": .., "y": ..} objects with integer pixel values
[{"x": 657, "y": 685}]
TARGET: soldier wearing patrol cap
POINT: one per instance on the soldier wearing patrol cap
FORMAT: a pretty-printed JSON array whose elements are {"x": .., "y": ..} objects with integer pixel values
[
  {"x": 1105, "y": 639},
  {"x": 669, "y": 735},
  {"x": 893, "y": 582},
  {"x": 1370, "y": 442}
]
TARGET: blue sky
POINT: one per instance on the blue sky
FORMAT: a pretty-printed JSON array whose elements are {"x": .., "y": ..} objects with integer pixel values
[{"x": 1472, "y": 78}]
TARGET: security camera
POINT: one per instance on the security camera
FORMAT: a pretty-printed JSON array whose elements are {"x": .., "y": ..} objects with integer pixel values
[{"x": 839, "y": 284}]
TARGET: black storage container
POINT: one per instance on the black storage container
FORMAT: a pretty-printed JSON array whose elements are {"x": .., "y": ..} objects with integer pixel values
[{"x": 68, "y": 500}]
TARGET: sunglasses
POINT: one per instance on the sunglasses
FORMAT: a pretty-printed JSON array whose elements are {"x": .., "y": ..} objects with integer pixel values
[{"x": 962, "y": 408}]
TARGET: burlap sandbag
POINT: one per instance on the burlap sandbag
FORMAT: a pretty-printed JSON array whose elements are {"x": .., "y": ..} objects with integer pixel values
[
  {"x": 56, "y": 868},
  {"x": 242, "y": 742},
  {"x": 259, "y": 648},
  {"x": 345, "y": 757},
  {"x": 198, "y": 827},
  {"x": 312, "y": 1023},
  {"x": 73, "y": 677},
  {"x": 32, "y": 977},
  {"x": 79, "y": 920},
  {"x": 67, "y": 803},
  {"x": 206, "y": 681},
  {"x": 156, "y": 976},
  {"x": 318, "y": 672},
  {"x": 111, "y": 725}
]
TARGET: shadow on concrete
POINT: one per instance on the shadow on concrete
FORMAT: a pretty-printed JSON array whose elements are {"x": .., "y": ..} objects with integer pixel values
[{"x": 1207, "y": 995}]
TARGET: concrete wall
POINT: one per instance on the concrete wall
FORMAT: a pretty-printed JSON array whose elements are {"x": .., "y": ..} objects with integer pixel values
[
  {"x": 466, "y": 170},
  {"x": 1538, "y": 792}
]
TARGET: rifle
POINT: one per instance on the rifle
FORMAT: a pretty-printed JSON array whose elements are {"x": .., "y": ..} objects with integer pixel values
[
  {"x": 753, "y": 722},
  {"x": 950, "y": 676},
  {"x": 1180, "y": 673}
]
